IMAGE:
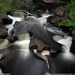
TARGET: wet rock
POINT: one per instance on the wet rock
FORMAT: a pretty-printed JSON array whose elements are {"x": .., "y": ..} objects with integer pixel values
[
  {"x": 72, "y": 48},
  {"x": 12, "y": 39},
  {"x": 20, "y": 28},
  {"x": 73, "y": 36},
  {"x": 54, "y": 19},
  {"x": 49, "y": 1},
  {"x": 3, "y": 32},
  {"x": 1, "y": 17},
  {"x": 65, "y": 16},
  {"x": 1, "y": 56},
  {"x": 58, "y": 11},
  {"x": 6, "y": 21},
  {"x": 56, "y": 1},
  {"x": 59, "y": 15}
]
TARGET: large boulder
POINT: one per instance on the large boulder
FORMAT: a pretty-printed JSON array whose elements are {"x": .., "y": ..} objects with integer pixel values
[
  {"x": 54, "y": 19},
  {"x": 3, "y": 32},
  {"x": 58, "y": 11},
  {"x": 59, "y": 15}
]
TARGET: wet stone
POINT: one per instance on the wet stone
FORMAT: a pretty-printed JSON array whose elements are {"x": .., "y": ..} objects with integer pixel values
[
  {"x": 58, "y": 11},
  {"x": 3, "y": 32},
  {"x": 49, "y": 1},
  {"x": 53, "y": 19}
]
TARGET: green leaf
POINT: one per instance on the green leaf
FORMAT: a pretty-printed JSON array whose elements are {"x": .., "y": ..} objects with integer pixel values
[{"x": 73, "y": 31}]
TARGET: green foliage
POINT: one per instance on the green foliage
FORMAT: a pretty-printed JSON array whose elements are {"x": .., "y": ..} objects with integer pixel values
[
  {"x": 16, "y": 4},
  {"x": 73, "y": 31},
  {"x": 70, "y": 7},
  {"x": 67, "y": 23},
  {"x": 6, "y": 5}
]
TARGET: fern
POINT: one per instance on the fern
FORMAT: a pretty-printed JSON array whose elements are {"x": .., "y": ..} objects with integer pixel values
[{"x": 69, "y": 7}]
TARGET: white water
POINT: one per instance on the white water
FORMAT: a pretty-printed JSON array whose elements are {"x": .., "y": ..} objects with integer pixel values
[
  {"x": 14, "y": 19},
  {"x": 40, "y": 20},
  {"x": 1, "y": 72},
  {"x": 66, "y": 42},
  {"x": 23, "y": 42},
  {"x": 4, "y": 43},
  {"x": 9, "y": 27}
]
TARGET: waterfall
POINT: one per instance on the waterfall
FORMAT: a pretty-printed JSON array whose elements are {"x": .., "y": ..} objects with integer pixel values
[{"x": 66, "y": 42}]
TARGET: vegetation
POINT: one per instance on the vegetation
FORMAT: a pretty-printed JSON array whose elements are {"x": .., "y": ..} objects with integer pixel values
[
  {"x": 70, "y": 22},
  {"x": 6, "y": 5}
]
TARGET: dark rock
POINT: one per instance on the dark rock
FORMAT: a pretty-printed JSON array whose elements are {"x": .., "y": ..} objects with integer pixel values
[
  {"x": 31, "y": 34},
  {"x": 72, "y": 48},
  {"x": 9, "y": 13},
  {"x": 6, "y": 21},
  {"x": 53, "y": 19},
  {"x": 33, "y": 47},
  {"x": 12, "y": 39},
  {"x": 1, "y": 56},
  {"x": 1, "y": 17},
  {"x": 73, "y": 35},
  {"x": 48, "y": 4},
  {"x": 46, "y": 48},
  {"x": 3, "y": 32},
  {"x": 59, "y": 16},
  {"x": 58, "y": 11},
  {"x": 37, "y": 0},
  {"x": 65, "y": 16}
]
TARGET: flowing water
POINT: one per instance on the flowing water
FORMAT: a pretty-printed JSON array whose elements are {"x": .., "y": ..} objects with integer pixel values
[{"x": 22, "y": 63}]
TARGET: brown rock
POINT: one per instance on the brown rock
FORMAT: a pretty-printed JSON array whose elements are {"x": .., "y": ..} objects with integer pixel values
[
  {"x": 58, "y": 11},
  {"x": 65, "y": 16},
  {"x": 53, "y": 19},
  {"x": 3, "y": 32},
  {"x": 12, "y": 38},
  {"x": 59, "y": 16}
]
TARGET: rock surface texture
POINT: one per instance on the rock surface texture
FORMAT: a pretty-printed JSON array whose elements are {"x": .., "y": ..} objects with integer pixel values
[{"x": 3, "y": 32}]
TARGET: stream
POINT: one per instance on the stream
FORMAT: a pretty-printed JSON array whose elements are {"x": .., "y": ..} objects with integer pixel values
[{"x": 16, "y": 61}]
